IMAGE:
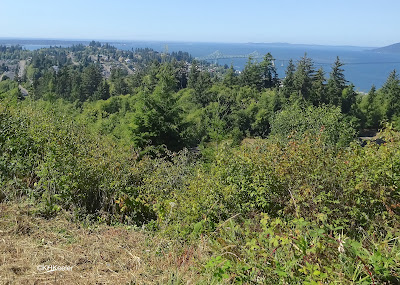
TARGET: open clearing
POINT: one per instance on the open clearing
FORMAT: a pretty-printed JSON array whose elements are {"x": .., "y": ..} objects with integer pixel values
[{"x": 97, "y": 254}]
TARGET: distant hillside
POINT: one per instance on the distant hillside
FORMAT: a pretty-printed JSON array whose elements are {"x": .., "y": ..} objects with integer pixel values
[{"x": 394, "y": 48}]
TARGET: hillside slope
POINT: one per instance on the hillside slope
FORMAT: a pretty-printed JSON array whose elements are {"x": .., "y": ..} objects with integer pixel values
[{"x": 394, "y": 48}]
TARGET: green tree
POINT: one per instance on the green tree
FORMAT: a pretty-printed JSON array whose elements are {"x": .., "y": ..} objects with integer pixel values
[
  {"x": 91, "y": 78},
  {"x": 288, "y": 86},
  {"x": 158, "y": 120},
  {"x": 230, "y": 78},
  {"x": 348, "y": 100},
  {"x": 318, "y": 88},
  {"x": 251, "y": 75},
  {"x": 371, "y": 109},
  {"x": 200, "y": 81},
  {"x": 102, "y": 92},
  {"x": 181, "y": 73},
  {"x": 215, "y": 121},
  {"x": 268, "y": 72},
  {"x": 303, "y": 77},
  {"x": 149, "y": 80},
  {"x": 336, "y": 84},
  {"x": 119, "y": 85},
  {"x": 391, "y": 93},
  {"x": 64, "y": 84},
  {"x": 194, "y": 74}
]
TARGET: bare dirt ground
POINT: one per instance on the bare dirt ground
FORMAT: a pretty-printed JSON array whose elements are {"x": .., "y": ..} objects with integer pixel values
[
  {"x": 30, "y": 244},
  {"x": 23, "y": 90}
]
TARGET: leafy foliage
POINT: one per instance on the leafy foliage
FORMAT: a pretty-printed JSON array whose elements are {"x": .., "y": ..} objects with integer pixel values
[{"x": 295, "y": 121}]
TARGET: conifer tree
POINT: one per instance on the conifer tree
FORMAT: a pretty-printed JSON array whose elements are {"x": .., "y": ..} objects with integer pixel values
[
  {"x": 336, "y": 84},
  {"x": 230, "y": 78},
  {"x": 251, "y": 75},
  {"x": 288, "y": 81},
  {"x": 372, "y": 111},
  {"x": 318, "y": 88},
  {"x": 391, "y": 92},
  {"x": 348, "y": 99},
  {"x": 102, "y": 92},
  {"x": 303, "y": 77},
  {"x": 268, "y": 72},
  {"x": 157, "y": 120}
]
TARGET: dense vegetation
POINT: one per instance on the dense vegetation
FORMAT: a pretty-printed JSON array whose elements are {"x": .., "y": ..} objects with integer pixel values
[{"x": 267, "y": 170}]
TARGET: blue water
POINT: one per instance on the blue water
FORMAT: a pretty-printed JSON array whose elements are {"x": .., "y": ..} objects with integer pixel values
[{"x": 363, "y": 67}]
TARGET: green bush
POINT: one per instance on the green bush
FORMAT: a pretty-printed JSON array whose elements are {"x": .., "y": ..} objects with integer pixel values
[
  {"x": 18, "y": 155},
  {"x": 351, "y": 187},
  {"x": 294, "y": 121},
  {"x": 62, "y": 164},
  {"x": 297, "y": 251}
]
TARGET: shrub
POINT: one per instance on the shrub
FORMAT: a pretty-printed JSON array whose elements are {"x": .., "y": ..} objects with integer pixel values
[{"x": 294, "y": 121}]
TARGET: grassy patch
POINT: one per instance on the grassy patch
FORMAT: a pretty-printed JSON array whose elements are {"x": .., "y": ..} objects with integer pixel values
[{"x": 98, "y": 255}]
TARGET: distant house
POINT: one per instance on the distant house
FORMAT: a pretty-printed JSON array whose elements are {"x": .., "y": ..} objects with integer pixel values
[{"x": 55, "y": 68}]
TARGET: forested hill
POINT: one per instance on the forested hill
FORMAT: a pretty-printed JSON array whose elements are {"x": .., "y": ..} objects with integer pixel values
[{"x": 394, "y": 48}]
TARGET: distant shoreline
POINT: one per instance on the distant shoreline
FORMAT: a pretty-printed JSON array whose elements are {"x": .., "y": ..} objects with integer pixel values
[{"x": 87, "y": 41}]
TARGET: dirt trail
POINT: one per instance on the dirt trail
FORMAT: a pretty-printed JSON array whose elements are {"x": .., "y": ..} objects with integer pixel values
[
  {"x": 23, "y": 90},
  {"x": 22, "y": 65}
]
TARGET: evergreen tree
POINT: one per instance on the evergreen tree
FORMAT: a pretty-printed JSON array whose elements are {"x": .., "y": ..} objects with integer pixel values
[
  {"x": 181, "y": 73},
  {"x": 252, "y": 75},
  {"x": 288, "y": 82},
  {"x": 372, "y": 110},
  {"x": 200, "y": 81},
  {"x": 119, "y": 85},
  {"x": 149, "y": 80},
  {"x": 64, "y": 84},
  {"x": 102, "y": 92},
  {"x": 348, "y": 99},
  {"x": 268, "y": 72},
  {"x": 303, "y": 77},
  {"x": 157, "y": 120},
  {"x": 91, "y": 78},
  {"x": 194, "y": 74},
  {"x": 230, "y": 78},
  {"x": 391, "y": 92},
  {"x": 318, "y": 88},
  {"x": 336, "y": 84}
]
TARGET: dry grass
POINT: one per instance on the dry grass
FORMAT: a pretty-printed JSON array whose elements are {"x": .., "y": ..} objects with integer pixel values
[{"x": 98, "y": 255}]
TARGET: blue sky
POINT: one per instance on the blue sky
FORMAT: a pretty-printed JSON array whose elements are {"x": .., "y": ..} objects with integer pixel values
[{"x": 333, "y": 22}]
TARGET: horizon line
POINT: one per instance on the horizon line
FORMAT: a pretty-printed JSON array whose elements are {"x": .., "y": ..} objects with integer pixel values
[{"x": 179, "y": 41}]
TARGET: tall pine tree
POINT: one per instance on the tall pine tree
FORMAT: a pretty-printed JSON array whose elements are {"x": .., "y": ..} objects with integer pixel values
[
  {"x": 288, "y": 82},
  {"x": 268, "y": 72},
  {"x": 336, "y": 84},
  {"x": 303, "y": 77},
  {"x": 391, "y": 92},
  {"x": 318, "y": 88}
]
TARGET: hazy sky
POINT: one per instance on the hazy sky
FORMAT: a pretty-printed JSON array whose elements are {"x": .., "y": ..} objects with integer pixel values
[{"x": 335, "y": 22}]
